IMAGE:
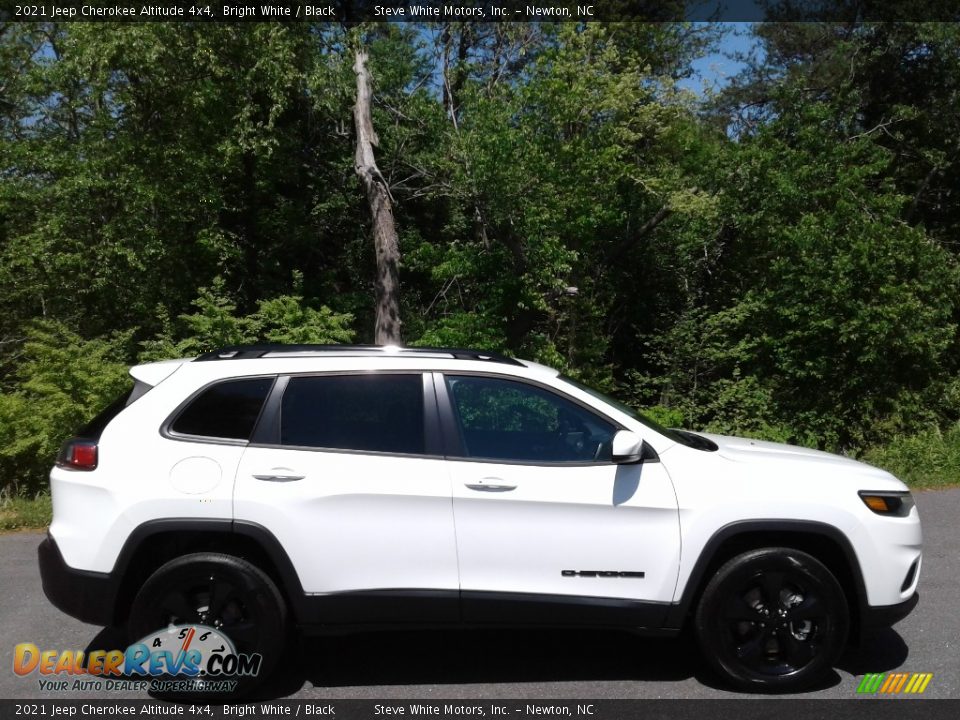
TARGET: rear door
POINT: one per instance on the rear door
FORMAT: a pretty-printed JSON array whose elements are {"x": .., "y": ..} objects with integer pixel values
[{"x": 345, "y": 471}]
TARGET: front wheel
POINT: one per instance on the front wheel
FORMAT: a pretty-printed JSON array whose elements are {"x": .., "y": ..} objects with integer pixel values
[
  {"x": 772, "y": 620},
  {"x": 227, "y": 594}
]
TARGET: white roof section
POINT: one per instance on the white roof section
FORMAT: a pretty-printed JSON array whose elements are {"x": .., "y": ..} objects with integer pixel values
[
  {"x": 278, "y": 359},
  {"x": 154, "y": 373},
  {"x": 540, "y": 369}
]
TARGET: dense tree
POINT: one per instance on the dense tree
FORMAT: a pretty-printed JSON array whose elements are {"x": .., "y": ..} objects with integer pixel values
[
  {"x": 780, "y": 262},
  {"x": 896, "y": 82}
]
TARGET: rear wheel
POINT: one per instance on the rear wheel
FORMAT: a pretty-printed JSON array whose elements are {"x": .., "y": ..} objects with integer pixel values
[
  {"x": 223, "y": 592},
  {"x": 772, "y": 620}
]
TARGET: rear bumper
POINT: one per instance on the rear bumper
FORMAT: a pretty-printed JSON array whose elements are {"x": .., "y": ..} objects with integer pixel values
[
  {"x": 87, "y": 596},
  {"x": 881, "y": 616}
]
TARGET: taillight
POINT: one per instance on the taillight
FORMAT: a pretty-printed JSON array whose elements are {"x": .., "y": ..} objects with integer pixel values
[{"x": 78, "y": 454}]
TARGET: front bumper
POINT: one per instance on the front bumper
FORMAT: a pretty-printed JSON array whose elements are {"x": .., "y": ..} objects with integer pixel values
[
  {"x": 882, "y": 616},
  {"x": 87, "y": 596}
]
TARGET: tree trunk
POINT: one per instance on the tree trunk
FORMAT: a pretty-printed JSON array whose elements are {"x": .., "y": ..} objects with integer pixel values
[{"x": 387, "y": 286}]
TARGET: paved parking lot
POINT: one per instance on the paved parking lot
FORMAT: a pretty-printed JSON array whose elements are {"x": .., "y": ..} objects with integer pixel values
[{"x": 535, "y": 664}]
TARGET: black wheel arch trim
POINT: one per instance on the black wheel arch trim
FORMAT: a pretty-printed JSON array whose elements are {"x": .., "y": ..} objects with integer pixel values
[
  {"x": 267, "y": 542},
  {"x": 697, "y": 580}
]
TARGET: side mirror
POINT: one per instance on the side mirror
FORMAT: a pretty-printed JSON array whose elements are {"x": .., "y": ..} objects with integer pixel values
[{"x": 627, "y": 448}]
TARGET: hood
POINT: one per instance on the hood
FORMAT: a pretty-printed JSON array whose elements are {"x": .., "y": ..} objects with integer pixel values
[{"x": 757, "y": 451}]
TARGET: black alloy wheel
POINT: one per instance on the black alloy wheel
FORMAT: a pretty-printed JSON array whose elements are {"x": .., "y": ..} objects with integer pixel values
[
  {"x": 220, "y": 591},
  {"x": 772, "y": 620}
]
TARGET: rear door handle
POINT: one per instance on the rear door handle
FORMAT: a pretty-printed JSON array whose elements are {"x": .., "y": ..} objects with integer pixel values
[
  {"x": 279, "y": 475},
  {"x": 491, "y": 485}
]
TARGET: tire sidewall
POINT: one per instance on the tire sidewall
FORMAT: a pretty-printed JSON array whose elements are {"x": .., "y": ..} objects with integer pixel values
[
  {"x": 736, "y": 574},
  {"x": 264, "y": 605}
]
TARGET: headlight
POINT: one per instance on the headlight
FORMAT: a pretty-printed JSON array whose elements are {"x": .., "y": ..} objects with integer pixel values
[{"x": 892, "y": 504}]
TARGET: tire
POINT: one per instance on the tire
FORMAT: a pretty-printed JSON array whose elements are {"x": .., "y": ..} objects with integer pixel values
[
  {"x": 772, "y": 620},
  {"x": 250, "y": 611}
]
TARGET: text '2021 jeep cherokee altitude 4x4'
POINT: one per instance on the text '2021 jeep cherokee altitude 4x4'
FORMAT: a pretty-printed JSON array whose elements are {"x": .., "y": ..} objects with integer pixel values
[{"x": 349, "y": 486}]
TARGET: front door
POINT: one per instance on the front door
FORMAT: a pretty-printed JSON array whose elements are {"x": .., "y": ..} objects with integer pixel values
[{"x": 548, "y": 528}]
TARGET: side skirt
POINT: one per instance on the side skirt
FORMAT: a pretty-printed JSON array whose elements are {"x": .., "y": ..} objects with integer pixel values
[{"x": 407, "y": 609}]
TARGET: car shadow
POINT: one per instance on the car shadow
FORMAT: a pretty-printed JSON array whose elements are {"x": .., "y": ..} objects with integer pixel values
[
  {"x": 879, "y": 651},
  {"x": 109, "y": 638},
  {"x": 439, "y": 657},
  {"x": 481, "y": 656},
  {"x": 829, "y": 680}
]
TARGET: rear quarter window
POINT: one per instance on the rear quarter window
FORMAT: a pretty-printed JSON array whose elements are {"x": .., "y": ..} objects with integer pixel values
[{"x": 227, "y": 410}]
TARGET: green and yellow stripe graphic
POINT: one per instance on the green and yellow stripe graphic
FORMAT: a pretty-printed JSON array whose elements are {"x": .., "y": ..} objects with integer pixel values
[{"x": 894, "y": 683}]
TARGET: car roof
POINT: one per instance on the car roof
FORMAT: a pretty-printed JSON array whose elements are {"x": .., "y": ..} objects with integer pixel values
[
  {"x": 275, "y": 350},
  {"x": 361, "y": 357}
]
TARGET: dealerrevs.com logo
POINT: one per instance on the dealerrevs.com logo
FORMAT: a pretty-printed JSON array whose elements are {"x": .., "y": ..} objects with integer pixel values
[{"x": 179, "y": 658}]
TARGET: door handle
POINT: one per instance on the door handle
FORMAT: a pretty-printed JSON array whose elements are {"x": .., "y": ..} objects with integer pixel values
[
  {"x": 285, "y": 477},
  {"x": 491, "y": 485}
]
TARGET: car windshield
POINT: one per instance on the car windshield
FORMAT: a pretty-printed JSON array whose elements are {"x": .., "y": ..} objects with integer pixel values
[{"x": 679, "y": 436}]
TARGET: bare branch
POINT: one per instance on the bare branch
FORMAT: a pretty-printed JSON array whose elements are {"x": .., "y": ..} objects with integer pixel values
[{"x": 648, "y": 227}]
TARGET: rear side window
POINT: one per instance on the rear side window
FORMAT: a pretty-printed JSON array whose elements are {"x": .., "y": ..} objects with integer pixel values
[
  {"x": 376, "y": 413},
  {"x": 227, "y": 410}
]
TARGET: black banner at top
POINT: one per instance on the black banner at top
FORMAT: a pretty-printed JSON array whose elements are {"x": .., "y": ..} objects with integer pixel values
[{"x": 479, "y": 11}]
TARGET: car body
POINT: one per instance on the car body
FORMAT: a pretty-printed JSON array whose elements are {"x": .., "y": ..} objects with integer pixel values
[{"x": 395, "y": 487}]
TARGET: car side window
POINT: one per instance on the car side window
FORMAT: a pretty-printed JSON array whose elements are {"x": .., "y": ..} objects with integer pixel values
[
  {"x": 227, "y": 410},
  {"x": 369, "y": 412},
  {"x": 514, "y": 421}
]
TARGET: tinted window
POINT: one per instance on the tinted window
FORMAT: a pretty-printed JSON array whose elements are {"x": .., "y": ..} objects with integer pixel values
[
  {"x": 675, "y": 435},
  {"x": 382, "y": 413},
  {"x": 225, "y": 410},
  {"x": 507, "y": 420}
]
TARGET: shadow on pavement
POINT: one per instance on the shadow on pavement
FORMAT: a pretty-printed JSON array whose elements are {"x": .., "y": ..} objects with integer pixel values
[
  {"x": 878, "y": 651},
  {"x": 109, "y": 638},
  {"x": 483, "y": 656},
  {"x": 437, "y": 657}
]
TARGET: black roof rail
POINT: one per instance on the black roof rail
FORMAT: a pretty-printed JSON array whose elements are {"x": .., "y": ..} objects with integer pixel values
[{"x": 246, "y": 352}]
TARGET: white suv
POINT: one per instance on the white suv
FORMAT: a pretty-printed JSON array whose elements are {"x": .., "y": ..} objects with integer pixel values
[{"x": 261, "y": 487}]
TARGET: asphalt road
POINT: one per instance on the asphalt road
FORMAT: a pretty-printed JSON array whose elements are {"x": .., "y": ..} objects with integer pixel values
[{"x": 537, "y": 664}]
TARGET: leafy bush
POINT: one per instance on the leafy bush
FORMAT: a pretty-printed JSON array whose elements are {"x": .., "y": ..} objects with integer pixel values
[
  {"x": 62, "y": 381},
  {"x": 668, "y": 417},
  {"x": 463, "y": 329},
  {"x": 925, "y": 460},
  {"x": 283, "y": 319}
]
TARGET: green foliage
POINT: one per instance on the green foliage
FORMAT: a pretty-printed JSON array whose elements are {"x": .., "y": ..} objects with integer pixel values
[
  {"x": 779, "y": 262},
  {"x": 18, "y": 512},
  {"x": 820, "y": 316},
  {"x": 283, "y": 319},
  {"x": 462, "y": 329},
  {"x": 286, "y": 320},
  {"x": 62, "y": 381},
  {"x": 667, "y": 417},
  {"x": 928, "y": 459}
]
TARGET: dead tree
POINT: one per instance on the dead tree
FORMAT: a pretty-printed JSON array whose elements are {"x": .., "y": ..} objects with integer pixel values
[{"x": 387, "y": 286}]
